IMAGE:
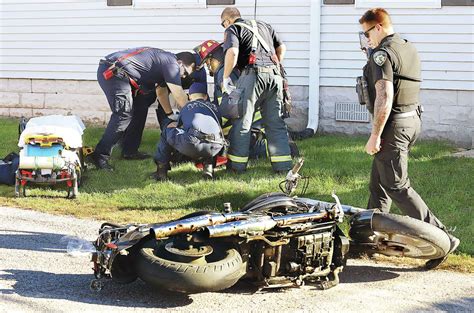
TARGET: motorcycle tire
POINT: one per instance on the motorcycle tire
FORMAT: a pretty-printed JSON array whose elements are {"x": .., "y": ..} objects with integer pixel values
[
  {"x": 123, "y": 271},
  {"x": 155, "y": 267},
  {"x": 409, "y": 237}
]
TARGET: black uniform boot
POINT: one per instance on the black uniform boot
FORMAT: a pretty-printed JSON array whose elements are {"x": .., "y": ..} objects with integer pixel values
[
  {"x": 101, "y": 162},
  {"x": 295, "y": 152},
  {"x": 208, "y": 171},
  {"x": 161, "y": 173}
]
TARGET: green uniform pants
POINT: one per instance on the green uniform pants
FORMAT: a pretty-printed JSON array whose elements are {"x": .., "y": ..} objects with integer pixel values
[
  {"x": 260, "y": 88},
  {"x": 389, "y": 177}
]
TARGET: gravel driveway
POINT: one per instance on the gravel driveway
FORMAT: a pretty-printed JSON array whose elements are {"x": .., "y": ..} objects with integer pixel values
[{"x": 37, "y": 276}]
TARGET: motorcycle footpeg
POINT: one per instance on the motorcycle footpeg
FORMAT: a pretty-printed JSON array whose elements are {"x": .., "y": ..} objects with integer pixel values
[{"x": 96, "y": 285}]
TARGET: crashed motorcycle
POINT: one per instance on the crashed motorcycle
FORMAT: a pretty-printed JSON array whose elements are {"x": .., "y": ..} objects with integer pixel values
[{"x": 274, "y": 241}]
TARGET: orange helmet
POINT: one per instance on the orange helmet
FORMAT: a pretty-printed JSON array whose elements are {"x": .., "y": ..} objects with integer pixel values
[{"x": 206, "y": 48}]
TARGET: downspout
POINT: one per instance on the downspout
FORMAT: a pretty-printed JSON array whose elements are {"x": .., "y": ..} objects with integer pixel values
[{"x": 314, "y": 62}]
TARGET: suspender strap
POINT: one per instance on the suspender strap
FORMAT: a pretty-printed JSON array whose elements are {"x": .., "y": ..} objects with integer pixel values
[
  {"x": 256, "y": 35},
  {"x": 131, "y": 54}
]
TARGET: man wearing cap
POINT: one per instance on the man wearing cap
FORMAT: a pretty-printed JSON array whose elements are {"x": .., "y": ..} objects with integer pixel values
[
  {"x": 128, "y": 79},
  {"x": 197, "y": 134},
  {"x": 256, "y": 49}
]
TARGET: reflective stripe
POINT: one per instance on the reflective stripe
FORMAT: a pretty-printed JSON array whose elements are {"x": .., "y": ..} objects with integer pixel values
[
  {"x": 219, "y": 100},
  {"x": 237, "y": 159},
  {"x": 257, "y": 116},
  {"x": 226, "y": 130},
  {"x": 266, "y": 147},
  {"x": 224, "y": 120},
  {"x": 281, "y": 158}
]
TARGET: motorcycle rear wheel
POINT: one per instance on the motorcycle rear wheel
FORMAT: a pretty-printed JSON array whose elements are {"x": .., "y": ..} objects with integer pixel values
[
  {"x": 222, "y": 269},
  {"x": 405, "y": 236}
]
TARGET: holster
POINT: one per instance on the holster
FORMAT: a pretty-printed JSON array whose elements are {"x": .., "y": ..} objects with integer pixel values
[{"x": 362, "y": 90}]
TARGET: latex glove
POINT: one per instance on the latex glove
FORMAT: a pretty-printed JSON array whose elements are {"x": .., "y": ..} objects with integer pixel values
[
  {"x": 227, "y": 86},
  {"x": 173, "y": 116}
]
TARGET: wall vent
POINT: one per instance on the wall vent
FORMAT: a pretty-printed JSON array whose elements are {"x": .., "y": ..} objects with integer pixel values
[{"x": 351, "y": 112}]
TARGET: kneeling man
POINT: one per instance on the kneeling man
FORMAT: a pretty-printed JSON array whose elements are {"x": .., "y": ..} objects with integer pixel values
[{"x": 197, "y": 134}]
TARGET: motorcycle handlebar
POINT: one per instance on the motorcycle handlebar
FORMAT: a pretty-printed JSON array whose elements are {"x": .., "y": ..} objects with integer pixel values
[{"x": 296, "y": 168}]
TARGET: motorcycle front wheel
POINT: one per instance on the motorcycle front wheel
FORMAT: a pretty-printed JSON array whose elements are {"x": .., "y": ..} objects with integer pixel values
[
  {"x": 397, "y": 235},
  {"x": 219, "y": 270}
]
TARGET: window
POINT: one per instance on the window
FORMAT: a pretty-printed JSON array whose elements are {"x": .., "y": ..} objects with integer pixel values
[
  {"x": 117, "y": 3},
  {"x": 404, "y": 4},
  {"x": 153, "y": 4}
]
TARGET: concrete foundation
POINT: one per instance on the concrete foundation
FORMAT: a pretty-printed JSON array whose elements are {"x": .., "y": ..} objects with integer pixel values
[{"x": 448, "y": 113}]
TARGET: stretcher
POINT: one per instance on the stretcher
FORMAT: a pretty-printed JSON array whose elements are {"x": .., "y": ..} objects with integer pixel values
[{"x": 51, "y": 153}]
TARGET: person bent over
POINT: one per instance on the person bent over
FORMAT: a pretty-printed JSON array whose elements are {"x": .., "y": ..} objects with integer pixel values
[
  {"x": 197, "y": 135},
  {"x": 128, "y": 79}
]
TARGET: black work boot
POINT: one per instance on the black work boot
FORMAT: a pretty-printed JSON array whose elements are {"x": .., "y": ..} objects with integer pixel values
[
  {"x": 161, "y": 173},
  {"x": 101, "y": 163},
  {"x": 208, "y": 171},
  {"x": 431, "y": 264}
]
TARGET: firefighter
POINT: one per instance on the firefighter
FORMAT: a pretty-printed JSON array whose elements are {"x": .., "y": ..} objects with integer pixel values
[
  {"x": 129, "y": 78},
  {"x": 256, "y": 49},
  {"x": 198, "y": 76},
  {"x": 197, "y": 135},
  {"x": 212, "y": 55}
]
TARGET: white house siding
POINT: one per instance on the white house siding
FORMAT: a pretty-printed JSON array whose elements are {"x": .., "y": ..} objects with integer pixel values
[
  {"x": 51, "y": 48},
  {"x": 445, "y": 41}
]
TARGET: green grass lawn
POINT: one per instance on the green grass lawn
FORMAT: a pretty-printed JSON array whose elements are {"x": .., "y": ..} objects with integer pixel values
[{"x": 333, "y": 162}]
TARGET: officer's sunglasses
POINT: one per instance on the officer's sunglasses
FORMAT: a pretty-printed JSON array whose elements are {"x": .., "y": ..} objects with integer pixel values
[
  {"x": 223, "y": 23},
  {"x": 366, "y": 33}
]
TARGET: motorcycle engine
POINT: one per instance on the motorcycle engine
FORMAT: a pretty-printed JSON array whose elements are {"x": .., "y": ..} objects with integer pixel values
[{"x": 305, "y": 254}]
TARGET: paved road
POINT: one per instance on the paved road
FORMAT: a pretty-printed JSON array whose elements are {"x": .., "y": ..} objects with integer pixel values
[{"x": 37, "y": 276}]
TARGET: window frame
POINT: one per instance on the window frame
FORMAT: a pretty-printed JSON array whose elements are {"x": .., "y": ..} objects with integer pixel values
[
  {"x": 168, "y": 4},
  {"x": 398, "y": 4}
]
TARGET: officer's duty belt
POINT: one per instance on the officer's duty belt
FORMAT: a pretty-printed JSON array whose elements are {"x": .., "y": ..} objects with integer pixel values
[{"x": 404, "y": 114}]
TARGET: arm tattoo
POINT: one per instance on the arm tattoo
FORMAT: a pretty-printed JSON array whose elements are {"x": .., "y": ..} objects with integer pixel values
[{"x": 382, "y": 105}]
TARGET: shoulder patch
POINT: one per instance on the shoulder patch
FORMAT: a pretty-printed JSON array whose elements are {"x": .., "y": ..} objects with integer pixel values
[{"x": 380, "y": 57}]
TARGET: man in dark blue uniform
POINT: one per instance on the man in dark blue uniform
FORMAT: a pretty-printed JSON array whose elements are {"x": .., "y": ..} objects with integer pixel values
[
  {"x": 198, "y": 76},
  {"x": 393, "y": 76},
  {"x": 128, "y": 79},
  {"x": 197, "y": 134}
]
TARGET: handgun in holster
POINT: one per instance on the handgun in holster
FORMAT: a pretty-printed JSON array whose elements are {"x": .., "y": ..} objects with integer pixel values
[{"x": 362, "y": 90}]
